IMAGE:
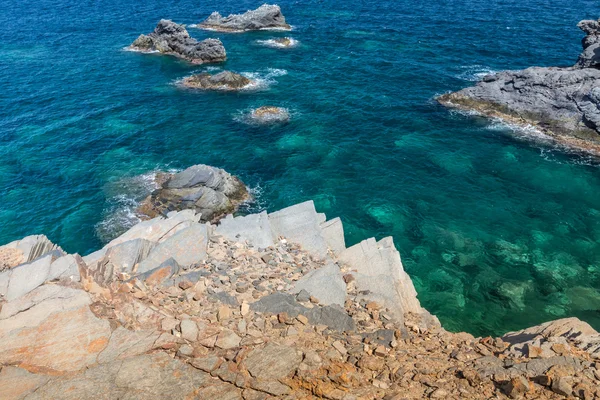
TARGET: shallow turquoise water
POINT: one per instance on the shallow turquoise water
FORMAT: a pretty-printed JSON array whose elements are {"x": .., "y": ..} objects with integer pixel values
[{"x": 498, "y": 232}]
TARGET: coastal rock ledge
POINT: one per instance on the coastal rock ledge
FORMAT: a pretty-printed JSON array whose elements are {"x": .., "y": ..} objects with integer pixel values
[
  {"x": 211, "y": 192},
  {"x": 264, "y": 17},
  {"x": 564, "y": 103},
  {"x": 173, "y": 39},
  {"x": 264, "y": 306}
]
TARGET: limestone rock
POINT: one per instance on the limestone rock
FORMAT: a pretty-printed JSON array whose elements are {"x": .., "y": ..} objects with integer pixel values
[
  {"x": 16, "y": 383},
  {"x": 582, "y": 334},
  {"x": 36, "y": 336},
  {"x": 149, "y": 376},
  {"x": 211, "y": 192},
  {"x": 173, "y": 39},
  {"x": 264, "y": 17},
  {"x": 380, "y": 273},
  {"x": 24, "y": 278},
  {"x": 272, "y": 362},
  {"x": 300, "y": 224},
  {"x": 326, "y": 284},
  {"x": 225, "y": 80},
  {"x": 254, "y": 228},
  {"x": 187, "y": 247}
]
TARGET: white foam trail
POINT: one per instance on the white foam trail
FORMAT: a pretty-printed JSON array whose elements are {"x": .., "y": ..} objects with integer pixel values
[{"x": 133, "y": 50}]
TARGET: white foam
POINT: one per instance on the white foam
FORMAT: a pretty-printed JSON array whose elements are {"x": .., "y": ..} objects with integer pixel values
[
  {"x": 135, "y": 50},
  {"x": 123, "y": 199},
  {"x": 474, "y": 73},
  {"x": 275, "y": 44}
]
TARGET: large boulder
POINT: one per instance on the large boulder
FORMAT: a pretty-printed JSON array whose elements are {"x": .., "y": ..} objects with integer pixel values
[
  {"x": 264, "y": 17},
  {"x": 562, "y": 102},
  {"x": 173, "y": 39},
  {"x": 225, "y": 80},
  {"x": 209, "y": 191}
]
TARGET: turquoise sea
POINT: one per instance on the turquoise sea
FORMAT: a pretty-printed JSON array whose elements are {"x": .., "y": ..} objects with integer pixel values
[{"x": 499, "y": 231}]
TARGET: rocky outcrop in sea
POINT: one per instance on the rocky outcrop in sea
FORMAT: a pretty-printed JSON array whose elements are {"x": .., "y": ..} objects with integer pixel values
[
  {"x": 211, "y": 192},
  {"x": 268, "y": 305},
  {"x": 264, "y": 17},
  {"x": 564, "y": 103},
  {"x": 226, "y": 80},
  {"x": 173, "y": 39}
]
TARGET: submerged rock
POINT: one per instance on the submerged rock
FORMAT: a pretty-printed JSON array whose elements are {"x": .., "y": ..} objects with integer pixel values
[
  {"x": 173, "y": 39},
  {"x": 561, "y": 102},
  {"x": 210, "y": 191},
  {"x": 264, "y": 17},
  {"x": 270, "y": 114},
  {"x": 225, "y": 80}
]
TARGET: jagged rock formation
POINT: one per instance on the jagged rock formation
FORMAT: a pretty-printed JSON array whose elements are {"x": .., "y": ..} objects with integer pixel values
[
  {"x": 267, "y": 114},
  {"x": 264, "y": 17},
  {"x": 173, "y": 39},
  {"x": 270, "y": 305},
  {"x": 211, "y": 192},
  {"x": 562, "y": 102},
  {"x": 590, "y": 57},
  {"x": 225, "y": 80}
]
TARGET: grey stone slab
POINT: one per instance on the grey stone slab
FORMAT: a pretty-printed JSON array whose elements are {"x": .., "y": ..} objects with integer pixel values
[
  {"x": 254, "y": 228},
  {"x": 300, "y": 224},
  {"x": 187, "y": 247},
  {"x": 379, "y": 271},
  {"x": 26, "y": 277},
  {"x": 326, "y": 284},
  {"x": 334, "y": 317},
  {"x": 333, "y": 233}
]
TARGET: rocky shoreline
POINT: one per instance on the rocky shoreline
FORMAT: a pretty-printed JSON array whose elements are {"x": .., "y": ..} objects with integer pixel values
[
  {"x": 563, "y": 103},
  {"x": 268, "y": 305}
]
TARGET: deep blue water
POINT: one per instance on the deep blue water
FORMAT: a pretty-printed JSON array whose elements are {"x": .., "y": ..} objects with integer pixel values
[{"x": 497, "y": 231}]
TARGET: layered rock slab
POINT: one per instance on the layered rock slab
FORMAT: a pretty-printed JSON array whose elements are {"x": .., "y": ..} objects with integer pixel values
[
  {"x": 265, "y": 17},
  {"x": 173, "y": 39}
]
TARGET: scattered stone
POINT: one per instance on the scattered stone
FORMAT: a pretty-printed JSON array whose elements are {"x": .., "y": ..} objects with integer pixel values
[
  {"x": 189, "y": 330},
  {"x": 227, "y": 340}
]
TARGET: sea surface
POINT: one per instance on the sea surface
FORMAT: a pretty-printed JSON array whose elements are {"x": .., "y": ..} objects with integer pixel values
[{"x": 498, "y": 229}]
